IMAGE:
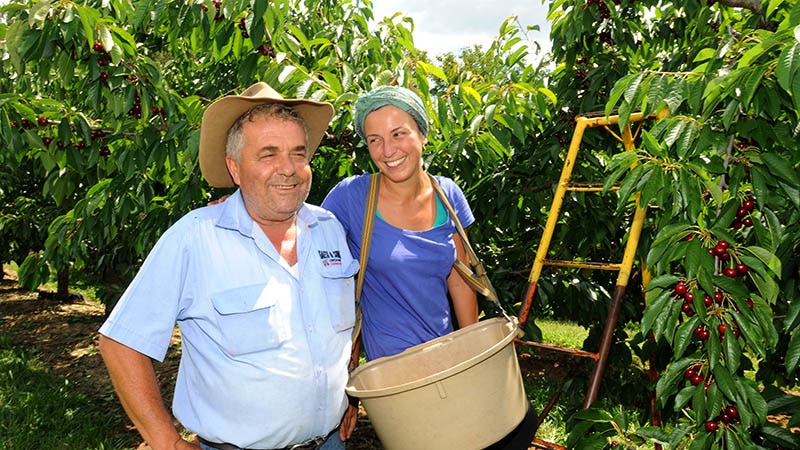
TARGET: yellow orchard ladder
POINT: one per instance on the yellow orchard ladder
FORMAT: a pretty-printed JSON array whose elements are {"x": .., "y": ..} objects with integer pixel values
[{"x": 623, "y": 268}]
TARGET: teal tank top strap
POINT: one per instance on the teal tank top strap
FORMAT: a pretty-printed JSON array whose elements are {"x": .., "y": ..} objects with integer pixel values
[{"x": 441, "y": 214}]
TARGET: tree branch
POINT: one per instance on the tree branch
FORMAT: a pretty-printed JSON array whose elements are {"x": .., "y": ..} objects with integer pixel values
[{"x": 752, "y": 5}]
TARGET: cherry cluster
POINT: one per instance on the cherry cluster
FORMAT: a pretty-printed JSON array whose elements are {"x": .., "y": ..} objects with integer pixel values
[
  {"x": 43, "y": 122},
  {"x": 722, "y": 252},
  {"x": 729, "y": 415},
  {"x": 218, "y": 15},
  {"x": 103, "y": 59},
  {"x": 136, "y": 109},
  {"x": 694, "y": 374},
  {"x": 602, "y": 8},
  {"x": 243, "y": 27},
  {"x": 712, "y": 304},
  {"x": 266, "y": 50},
  {"x": 744, "y": 214}
]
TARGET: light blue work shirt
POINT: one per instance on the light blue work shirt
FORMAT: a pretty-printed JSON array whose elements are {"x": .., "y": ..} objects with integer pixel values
[{"x": 264, "y": 354}]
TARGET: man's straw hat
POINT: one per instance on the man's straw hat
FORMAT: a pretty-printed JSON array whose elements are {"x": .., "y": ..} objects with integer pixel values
[{"x": 220, "y": 116}]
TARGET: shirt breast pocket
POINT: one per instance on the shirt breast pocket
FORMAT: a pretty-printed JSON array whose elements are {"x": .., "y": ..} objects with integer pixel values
[
  {"x": 339, "y": 286},
  {"x": 248, "y": 319}
]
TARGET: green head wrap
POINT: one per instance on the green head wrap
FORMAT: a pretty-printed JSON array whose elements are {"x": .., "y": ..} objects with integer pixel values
[{"x": 398, "y": 96}]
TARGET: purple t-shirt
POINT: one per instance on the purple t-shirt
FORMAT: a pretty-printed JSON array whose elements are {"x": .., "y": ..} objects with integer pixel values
[{"x": 404, "y": 297}]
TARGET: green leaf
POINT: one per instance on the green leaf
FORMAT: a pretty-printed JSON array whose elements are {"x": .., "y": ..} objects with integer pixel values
[
  {"x": 752, "y": 81},
  {"x": 683, "y": 336},
  {"x": 752, "y": 335},
  {"x": 793, "y": 352},
  {"x": 594, "y": 415},
  {"x": 781, "y": 436},
  {"x": 731, "y": 350},
  {"x": 673, "y": 377},
  {"x": 788, "y": 66},
  {"x": 780, "y": 167},
  {"x": 432, "y": 70},
  {"x": 655, "y": 307}
]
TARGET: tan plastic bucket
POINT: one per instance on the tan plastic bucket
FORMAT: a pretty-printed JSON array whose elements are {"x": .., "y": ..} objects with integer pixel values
[{"x": 461, "y": 391}]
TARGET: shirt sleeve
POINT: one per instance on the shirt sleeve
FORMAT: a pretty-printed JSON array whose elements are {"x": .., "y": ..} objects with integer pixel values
[{"x": 457, "y": 200}]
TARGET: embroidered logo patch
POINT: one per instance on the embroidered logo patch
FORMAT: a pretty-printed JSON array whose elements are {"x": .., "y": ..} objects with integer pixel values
[{"x": 330, "y": 257}]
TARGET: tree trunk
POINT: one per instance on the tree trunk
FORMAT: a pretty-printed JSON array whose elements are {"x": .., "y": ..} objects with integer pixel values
[{"x": 62, "y": 289}]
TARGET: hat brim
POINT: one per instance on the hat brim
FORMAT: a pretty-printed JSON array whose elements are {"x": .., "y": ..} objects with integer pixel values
[{"x": 221, "y": 115}]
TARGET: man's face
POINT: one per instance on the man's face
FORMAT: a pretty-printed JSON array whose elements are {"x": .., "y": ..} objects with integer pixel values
[{"x": 273, "y": 173}]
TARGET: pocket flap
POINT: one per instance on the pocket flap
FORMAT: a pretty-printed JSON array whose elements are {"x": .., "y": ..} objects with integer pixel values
[{"x": 248, "y": 298}]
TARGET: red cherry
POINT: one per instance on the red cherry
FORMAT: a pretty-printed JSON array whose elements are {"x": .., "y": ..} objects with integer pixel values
[
  {"x": 42, "y": 121},
  {"x": 699, "y": 330},
  {"x": 697, "y": 379},
  {"x": 690, "y": 373},
  {"x": 724, "y": 418},
  {"x": 704, "y": 335},
  {"x": 737, "y": 224},
  {"x": 98, "y": 47},
  {"x": 721, "y": 328},
  {"x": 680, "y": 288},
  {"x": 749, "y": 204},
  {"x": 686, "y": 308},
  {"x": 711, "y": 426},
  {"x": 730, "y": 272},
  {"x": 689, "y": 297},
  {"x": 708, "y": 301},
  {"x": 750, "y": 303},
  {"x": 732, "y": 411},
  {"x": 741, "y": 212},
  {"x": 747, "y": 221},
  {"x": 742, "y": 269},
  {"x": 47, "y": 141},
  {"x": 719, "y": 297},
  {"x": 736, "y": 332}
]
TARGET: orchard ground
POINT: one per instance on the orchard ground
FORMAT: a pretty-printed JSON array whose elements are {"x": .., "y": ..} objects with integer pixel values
[{"x": 63, "y": 335}]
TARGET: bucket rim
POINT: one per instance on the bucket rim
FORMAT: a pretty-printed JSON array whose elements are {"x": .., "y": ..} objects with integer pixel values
[{"x": 441, "y": 375}]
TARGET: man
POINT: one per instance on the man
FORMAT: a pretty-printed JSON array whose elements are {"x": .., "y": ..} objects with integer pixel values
[{"x": 261, "y": 287}]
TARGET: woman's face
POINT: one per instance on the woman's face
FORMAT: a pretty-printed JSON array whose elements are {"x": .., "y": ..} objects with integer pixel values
[{"x": 395, "y": 142}]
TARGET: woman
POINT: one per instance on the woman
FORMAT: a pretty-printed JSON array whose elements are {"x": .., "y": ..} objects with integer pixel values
[{"x": 409, "y": 274}]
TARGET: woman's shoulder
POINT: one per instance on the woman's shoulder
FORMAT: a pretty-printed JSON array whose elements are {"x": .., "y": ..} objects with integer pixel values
[
  {"x": 449, "y": 186},
  {"x": 345, "y": 193},
  {"x": 353, "y": 182}
]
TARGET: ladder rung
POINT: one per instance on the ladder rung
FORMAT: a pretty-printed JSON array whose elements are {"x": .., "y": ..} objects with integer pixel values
[
  {"x": 589, "y": 187},
  {"x": 582, "y": 264},
  {"x": 571, "y": 351}
]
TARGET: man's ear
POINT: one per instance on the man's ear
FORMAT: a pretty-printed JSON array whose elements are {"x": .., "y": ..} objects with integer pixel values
[{"x": 233, "y": 169}]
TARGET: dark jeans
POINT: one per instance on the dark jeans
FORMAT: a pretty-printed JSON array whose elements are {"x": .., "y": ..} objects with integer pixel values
[{"x": 520, "y": 438}]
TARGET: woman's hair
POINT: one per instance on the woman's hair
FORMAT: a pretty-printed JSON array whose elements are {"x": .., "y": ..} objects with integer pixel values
[{"x": 397, "y": 96}]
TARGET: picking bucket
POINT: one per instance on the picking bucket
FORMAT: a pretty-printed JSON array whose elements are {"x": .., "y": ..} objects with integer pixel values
[{"x": 460, "y": 391}]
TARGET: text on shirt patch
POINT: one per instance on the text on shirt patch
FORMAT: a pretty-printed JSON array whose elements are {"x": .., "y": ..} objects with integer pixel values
[{"x": 330, "y": 257}]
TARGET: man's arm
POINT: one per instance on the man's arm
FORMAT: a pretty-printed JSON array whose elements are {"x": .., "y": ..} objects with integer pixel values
[{"x": 134, "y": 379}]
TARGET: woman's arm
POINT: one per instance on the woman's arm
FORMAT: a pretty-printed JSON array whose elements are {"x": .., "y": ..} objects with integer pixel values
[{"x": 465, "y": 300}]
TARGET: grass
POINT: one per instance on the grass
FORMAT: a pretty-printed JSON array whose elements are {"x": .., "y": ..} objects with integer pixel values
[
  {"x": 39, "y": 410},
  {"x": 564, "y": 334}
]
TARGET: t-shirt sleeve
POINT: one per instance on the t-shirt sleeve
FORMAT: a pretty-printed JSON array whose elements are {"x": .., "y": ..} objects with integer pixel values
[
  {"x": 346, "y": 202},
  {"x": 458, "y": 201}
]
